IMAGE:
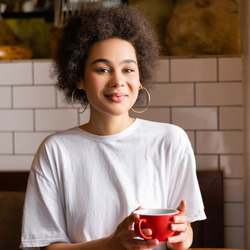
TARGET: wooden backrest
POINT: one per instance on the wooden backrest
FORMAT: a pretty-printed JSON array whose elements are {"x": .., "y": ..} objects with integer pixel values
[
  {"x": 13, "y": 181},
  {"x": 210, "y": 232},
  {"x": 12, "y": 193}
]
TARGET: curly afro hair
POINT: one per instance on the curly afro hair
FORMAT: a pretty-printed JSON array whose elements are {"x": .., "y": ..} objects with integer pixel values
[{"x": 98, "y": 24}]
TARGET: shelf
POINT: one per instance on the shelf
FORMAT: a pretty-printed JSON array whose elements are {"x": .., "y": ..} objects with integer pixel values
[{"x": 47, "y": 15}]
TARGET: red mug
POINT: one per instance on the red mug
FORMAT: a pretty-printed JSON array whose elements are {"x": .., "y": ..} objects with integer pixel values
[{"x": 158, "y": 220}]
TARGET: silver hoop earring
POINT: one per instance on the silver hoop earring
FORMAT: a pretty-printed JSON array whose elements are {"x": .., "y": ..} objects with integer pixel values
[
  {"x": 72, "y": 101},
  {"x": 141, "y": 111}
]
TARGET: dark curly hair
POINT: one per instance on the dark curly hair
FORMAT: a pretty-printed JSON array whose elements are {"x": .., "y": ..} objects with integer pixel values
[{"x": 97, "y": 24}]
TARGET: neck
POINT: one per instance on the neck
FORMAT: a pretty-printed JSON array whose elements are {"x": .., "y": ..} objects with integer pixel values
[{"x": 107, "y": 125}]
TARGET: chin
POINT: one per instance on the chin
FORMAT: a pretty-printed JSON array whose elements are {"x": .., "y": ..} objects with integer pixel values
[{"x": 117, "y": 112}]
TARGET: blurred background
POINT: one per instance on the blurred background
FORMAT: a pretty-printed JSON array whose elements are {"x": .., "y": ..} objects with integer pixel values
[{"x": 208, "y": 27}]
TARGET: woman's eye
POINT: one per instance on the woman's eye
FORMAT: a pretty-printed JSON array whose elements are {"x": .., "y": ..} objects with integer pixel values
[
  {"x": 102, "y": 70},
  {"x": 129, "y": 70}
]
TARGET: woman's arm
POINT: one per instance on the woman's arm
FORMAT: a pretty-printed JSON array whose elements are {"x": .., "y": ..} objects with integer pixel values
[
  {"x": 122, "y": 238},
  {"x": 95, "y": 244}
]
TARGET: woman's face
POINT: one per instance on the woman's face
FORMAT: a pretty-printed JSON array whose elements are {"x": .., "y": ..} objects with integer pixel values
[{"x": 111, "y": 80}]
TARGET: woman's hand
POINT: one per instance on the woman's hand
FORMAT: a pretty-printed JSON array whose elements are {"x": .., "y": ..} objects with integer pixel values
[
  {"x": 124, "y": 236},
  {"x": 183, "y": 237}
]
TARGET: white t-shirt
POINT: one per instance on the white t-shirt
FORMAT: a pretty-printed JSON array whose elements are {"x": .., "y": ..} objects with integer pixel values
[{"x": 81, "y": 185}]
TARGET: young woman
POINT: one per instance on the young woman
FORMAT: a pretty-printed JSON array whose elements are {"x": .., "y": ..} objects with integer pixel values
[{"x": 85, "y": 182}]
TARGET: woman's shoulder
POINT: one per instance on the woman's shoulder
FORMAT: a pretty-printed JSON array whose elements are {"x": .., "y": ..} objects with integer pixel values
[
  {"x": 162, "y": 127},
  {"x": 52, "y": 147},
  {"x": 61, "y": 137},
  {"x": 168, "y": 132}
]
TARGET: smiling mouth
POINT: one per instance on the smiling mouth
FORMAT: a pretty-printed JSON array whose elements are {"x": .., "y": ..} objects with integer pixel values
[{"x": 116, "y": 97}]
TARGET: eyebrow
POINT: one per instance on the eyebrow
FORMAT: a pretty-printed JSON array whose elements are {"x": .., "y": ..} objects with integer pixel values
[{"x": 108, "y": 62}]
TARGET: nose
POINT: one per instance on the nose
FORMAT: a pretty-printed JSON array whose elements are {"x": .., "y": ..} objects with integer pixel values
[{"x": 116, "y": 80}]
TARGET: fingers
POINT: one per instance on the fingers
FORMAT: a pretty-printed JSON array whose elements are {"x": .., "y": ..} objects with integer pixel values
[
  {"x": 179, "y": 227},
  {"x": 128, "y": 236},
  {"x": 139, "y": 208},
  {"x": 181, "y": 234},
  {"x": 125, "y": 238},
  {"x": 180, "y": 224},
  {"x": 180, "y": 221},
  {"x": 143, "y": 244},
  {"x": 183, "y": 239},
  {"x": 134, "y": 217},
  {"x": 127, "y": 223},
  {"x": 180, "y": 218},
  {"x": 147, "y": 231},
  {"x": 177, "y": 238},
  {"x": 182, "y": 206},
  {"x": 132, "y": 234}
]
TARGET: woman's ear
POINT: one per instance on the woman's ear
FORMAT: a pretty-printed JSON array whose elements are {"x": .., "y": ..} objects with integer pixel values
[
  {"x": 140, "y": 86},
  {"x": 80, "y": 85}
]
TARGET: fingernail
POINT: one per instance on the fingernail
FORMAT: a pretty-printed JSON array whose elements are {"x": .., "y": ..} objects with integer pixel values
[{"x": 156, "y": 242}]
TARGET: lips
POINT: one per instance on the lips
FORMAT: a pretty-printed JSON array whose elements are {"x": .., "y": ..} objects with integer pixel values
[{"x": 116, "y": 97}]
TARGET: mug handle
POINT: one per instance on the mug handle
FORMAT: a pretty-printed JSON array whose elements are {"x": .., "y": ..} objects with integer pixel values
[{"x": 138, "y": 229}]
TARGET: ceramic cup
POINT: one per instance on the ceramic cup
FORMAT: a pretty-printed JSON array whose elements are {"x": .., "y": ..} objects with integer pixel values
[{"x": 158, "y": 220}]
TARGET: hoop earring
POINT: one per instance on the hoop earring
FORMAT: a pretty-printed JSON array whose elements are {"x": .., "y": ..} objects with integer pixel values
[
  {"x": 72, "y": 101},
  {"x": 141, "y": 111}
]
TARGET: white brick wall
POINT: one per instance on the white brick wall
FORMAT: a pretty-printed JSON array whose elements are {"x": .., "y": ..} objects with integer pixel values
[
  {"x": 193, "y": 70},
  {"x": 202, "y": 95},
  {"x": 16, "y": 73},
  {"x": 180, "y": 94},
  {"x": 223, "y": 94},
  {"x": 16, "y": 120},
  {"x": 34, "y": 97}
]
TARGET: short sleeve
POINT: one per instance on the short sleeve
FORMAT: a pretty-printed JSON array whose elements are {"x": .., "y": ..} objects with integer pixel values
[
  {"x": 184, "y": 184},
  {"x": 43, "y": 215}
]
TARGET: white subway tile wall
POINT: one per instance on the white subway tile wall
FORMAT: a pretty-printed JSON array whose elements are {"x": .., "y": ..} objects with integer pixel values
[
  {"x": 204, "y": 96},
  {"x": 32, "y": 141},
  {"x": 181, "y": 94},
  {"x": 42, "y": 72},
  {"x": 206, "y": 118},
  {"x": 219, "y": 142},
  {"x": 16, "y": 120},
  {"x": 193, "y": 70},
  {"x": 231, "y": 118},
  {"x": 5, "y": 97},
  {"x": 230, "y": 70},
  {"x": 6, "y": 143},
  {"x": 34, "y": 97},
  {"x": 55, "y": 119},
  {"x": 16, "y": 73},
  {"x": 223, "y": 94}
]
